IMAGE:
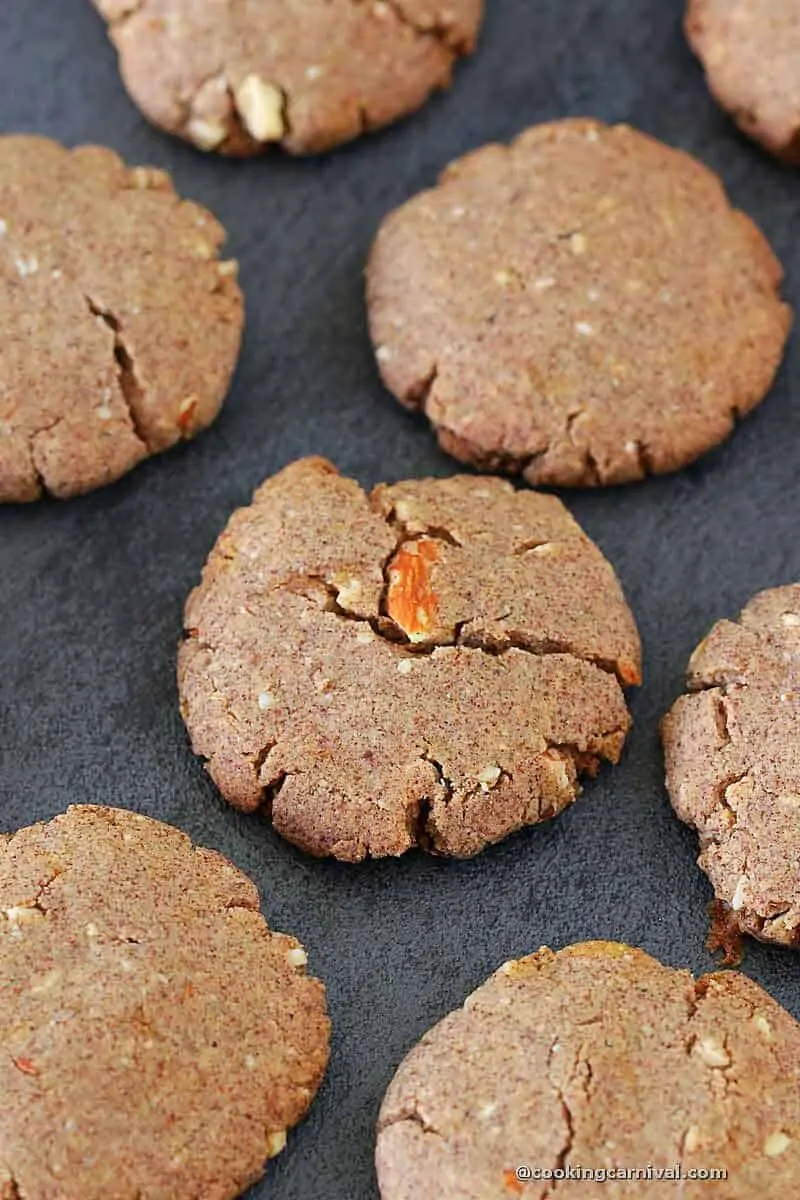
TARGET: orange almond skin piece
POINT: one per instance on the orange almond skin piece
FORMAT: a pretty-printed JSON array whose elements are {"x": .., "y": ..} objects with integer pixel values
[{"x": 411, "y": 601}]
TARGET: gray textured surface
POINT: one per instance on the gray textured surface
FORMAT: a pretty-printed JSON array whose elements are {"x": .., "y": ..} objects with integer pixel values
[{"x": 91, "y": 591}]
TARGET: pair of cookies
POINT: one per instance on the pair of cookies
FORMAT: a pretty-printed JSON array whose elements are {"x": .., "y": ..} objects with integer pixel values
[
  {"x": 159, "y": 1040},
  {"x": 554, "y": 307},
  {"x": 438, "y": 662}
]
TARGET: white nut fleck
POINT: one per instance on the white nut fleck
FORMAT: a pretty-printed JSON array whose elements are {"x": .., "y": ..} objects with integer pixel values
[
  {"x": 762, "y": 1025},
  {"x": 383, "y": 353},
  {"x": 365, "y": 637},
  {"x": 584, "y": 329},
  {"x": 265, "y": 700},
  {"x": 457, "y": 211},
  {"x": 405, "y": 667},
  {"x": 206, "y": 134},
  {"x": 275, "y": 1143},
  {"x": 250, "y": 1062},
  {"x": 91, "y": 930},
  {"x": 20, "y": 915},
  {"x": 693, "y": 1139},
  {"x": 26, "y": 266},
  {"x": 791, "y": 620},
  {"x": 261, "y": 107},
  {"x": 228, "y": 267},
  {"x": 578, "y": 243},
  {"x": 296, "y": 957},
  {"x": 544, "y": 283},
  {"x": 777, "y": 1143},
  {"x": 737, "y": 899},
  {"x": 489, "y": 776},
  {"x": 104, "y": 412},
  {"x": 712, "y": 1052},
  {"x": 3, "y": 227},
  {"x": 314, "y": 71},
  {"x": 502, "y": 277}
]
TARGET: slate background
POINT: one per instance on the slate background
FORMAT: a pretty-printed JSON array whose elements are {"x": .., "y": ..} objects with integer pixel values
[{"x": 91, "y": 591}]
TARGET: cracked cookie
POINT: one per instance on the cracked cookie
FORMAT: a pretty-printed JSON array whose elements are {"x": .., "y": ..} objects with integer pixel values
[
  {"x": 121, "y": 327},
  {"x": 750, "y": 50},
  {"x": 435, "y": 663},
  {"x": 732, "y": 750},
  {"x": 240, "y": 78},
  {"x": 581, "y": 307},
  {"x": 597, "y": 1057},
  {"x": 157, "y": 1038}
]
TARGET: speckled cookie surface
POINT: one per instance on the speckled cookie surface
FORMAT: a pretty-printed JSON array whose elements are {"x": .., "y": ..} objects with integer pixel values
[
  {"x": 597, "y": 1057},
  {"x": 733, "y": 763},
  {"x": 121, "y": 327},
  {"x": 583, "y": 306},
  {"x": 750, "y": 50},
  {"x": 304, "y": 75},
  {"x": 157, "y": 1039},
  {"x": 435, "y": 663}
]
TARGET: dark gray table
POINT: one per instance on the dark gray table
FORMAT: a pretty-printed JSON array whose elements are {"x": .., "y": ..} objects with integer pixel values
[{"x": 91, "y": 591}]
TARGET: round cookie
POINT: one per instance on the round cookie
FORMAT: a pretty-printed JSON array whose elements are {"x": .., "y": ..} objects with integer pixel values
[
  {"x": 435, "y": 663},
  {"x": 732, "y": 750},
  {"x": 582, "y": 307},
  {"x": 750, "y": 50},
  {"x": 239, "y": 78},
  {"x": 121, "y": 327},
  {"x": 157, "y": 1039},
  {"x": 598, "y": 1059}
]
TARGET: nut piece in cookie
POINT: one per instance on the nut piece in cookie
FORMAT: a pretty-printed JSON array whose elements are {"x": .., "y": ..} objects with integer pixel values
[
  {"x": 156, "y": 1037},
  {"x": 239, "y": 78},
  {"x": 597, "y": 1057},
  {"x": 732, "y": 748},
  {"x": 582, "y": 307},
  {"x": 435, "y": 663},
  {"x": 750, "y": 50},
  {"x": 137, "y": 322}
]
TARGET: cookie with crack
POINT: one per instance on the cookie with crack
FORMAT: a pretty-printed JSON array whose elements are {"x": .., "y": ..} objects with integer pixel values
[
  {"x": 749, "y": 50},
  {"x": 240, "y": 78},
  {"x": 434, "y": 663},
  {"x": 157, "y": 1038},
  {"x": 582, "y": 307},
  {"x": 121, "y": 327},
  {"x": 732, "y": 748},
  {"x": 597, "y": 1057}
]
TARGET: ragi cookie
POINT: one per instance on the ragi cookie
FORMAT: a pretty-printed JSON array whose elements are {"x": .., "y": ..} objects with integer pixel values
[
  {"x": 239, "y": 78},
  {"x": 157, "y": 1039},
  {"x": 120, "y": 325},
  {"x": 597, "y": 1058},
  {"x": 434, "y": 663},
  {"x": 582, "y": 307},
  {"x": 750, "y": 51},
  {"x": 732, "y": 751}
]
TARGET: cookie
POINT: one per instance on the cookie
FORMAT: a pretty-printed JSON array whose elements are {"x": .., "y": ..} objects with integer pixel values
[
  {"x": 240, "y": 78},
  {"x": 732, "y": 750},
  {"x": 581, "y": 307},
  {"x": 157, "y": 1038},
  {"x": 750, "y": 50},
  {"x": 564, "y": 1068},
  {"x": 435, "y": 663},
  {"x": 121, "y": 327}
]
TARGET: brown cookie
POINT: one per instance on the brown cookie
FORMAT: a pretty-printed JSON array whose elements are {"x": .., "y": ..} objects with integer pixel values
[
  {"x": 582, "y": 307},
  {"x": 435, "y": 663},
  {"x": 157, "y": 1039},
  {"x": 121, "y": 327},
  {"x": 750, "y": 51},
  {"x": 597, "y": 1058},
  {"x": 733, "y": 763},
  {"x": 239, "y": 78}
]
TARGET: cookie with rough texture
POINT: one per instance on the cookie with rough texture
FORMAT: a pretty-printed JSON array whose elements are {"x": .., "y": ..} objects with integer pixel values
[
  {"x": 750, "y": 50},
  {"x": 434, "y": 663},
  {"x": 732, "y": 751},
  {"x": 240, "y": 78},
  {"x": 121, "y": 327},
  {"x": 598, "y": 1058},
  {"x": 582, "y": 307},
  {"x": 157, "y": 1038}
]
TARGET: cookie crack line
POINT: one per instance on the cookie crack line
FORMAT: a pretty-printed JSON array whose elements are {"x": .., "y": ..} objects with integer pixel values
[{"x": 131, "y": 390}]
